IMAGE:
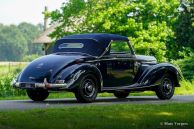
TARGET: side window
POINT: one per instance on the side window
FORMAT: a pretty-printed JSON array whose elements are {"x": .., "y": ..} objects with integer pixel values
[{"x": 119, "y": 47}]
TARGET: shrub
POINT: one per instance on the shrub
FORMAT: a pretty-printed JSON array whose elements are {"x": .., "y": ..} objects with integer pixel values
[
  {"x": 6, "y": 88},
  {"x": 29, "y": 58},
  {"x": 187, "y": 88},
  {"x": 187, "y": 67},
  {"x": 6, "y": 78}
]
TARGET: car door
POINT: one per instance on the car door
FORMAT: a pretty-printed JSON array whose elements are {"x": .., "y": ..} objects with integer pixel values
[{"x": 120, "y": 65}]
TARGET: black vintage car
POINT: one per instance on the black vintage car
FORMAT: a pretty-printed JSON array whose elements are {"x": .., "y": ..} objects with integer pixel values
[{"x": 87, "y": 64}]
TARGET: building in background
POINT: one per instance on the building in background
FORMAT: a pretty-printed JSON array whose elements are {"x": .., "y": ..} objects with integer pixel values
[{"x": 44, "y": 38}]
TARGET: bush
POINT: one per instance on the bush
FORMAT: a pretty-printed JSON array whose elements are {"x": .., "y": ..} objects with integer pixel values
[
  {"x": 187, "y": 67},
  {"x": 6, "y": 78},
  {"x": 29, "y": 58},
  {"x": 187, "y": 88},
  {"x": 6, "y": 88}
]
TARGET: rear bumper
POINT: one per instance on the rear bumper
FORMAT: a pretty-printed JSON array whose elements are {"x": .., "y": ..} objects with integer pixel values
[{"x": 27, "y": 85}]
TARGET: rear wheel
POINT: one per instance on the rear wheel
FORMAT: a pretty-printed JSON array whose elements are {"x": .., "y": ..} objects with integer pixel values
[
  {"x": 121, "y": 94},
  {"x": 87, "y": 90},
  {"x": 37, "y": 95},
  {"x": 166, "y": 89}
]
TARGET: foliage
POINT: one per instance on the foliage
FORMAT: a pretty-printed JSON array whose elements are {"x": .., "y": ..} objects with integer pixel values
[
  {"x": 29, "y": 58},
  {"x": 67, "y": 16},
  {"x": 7, "y": 74},
  {"x": 147, "y": 23},
  {"x": 16, "y": 41},
  {"x": 6, "y": 88},
  {"x": 184, "y": 29},
  {"x": 187, "y": 67},
  {"x": 12, "y": 43},
  {"x": 29, "y": 32},
  {"x": 187, "y": 88},
  {"x": 185, "y": 24}
]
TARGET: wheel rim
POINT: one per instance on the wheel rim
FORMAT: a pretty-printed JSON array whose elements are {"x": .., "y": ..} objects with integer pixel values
[
  {"x": 167, "y": 86},
  {"x": 88, "y": 87}
]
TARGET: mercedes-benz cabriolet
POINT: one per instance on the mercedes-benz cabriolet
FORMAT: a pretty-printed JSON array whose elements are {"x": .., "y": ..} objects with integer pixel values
[{"x": 88, "y": 64}]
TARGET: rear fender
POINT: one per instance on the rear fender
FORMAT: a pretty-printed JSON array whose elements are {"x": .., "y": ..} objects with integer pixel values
[
  {"x": 153, "y": 75},
  {"x": 72, "y": 74}
]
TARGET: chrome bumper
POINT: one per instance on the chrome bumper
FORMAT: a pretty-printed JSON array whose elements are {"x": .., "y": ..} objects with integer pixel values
[{"x": 44, "y": 85}]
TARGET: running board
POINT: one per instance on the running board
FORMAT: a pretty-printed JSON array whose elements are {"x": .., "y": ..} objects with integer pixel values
[{"x": 134, "y": 86}]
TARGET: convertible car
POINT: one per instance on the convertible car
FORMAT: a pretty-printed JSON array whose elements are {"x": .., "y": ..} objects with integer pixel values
[{"x": 88, "y": 64}]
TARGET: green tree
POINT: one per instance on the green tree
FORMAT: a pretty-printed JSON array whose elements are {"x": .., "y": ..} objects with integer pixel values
[
  {"x": 13, "y": 45},
  {"x": 184, "y": 28},
  {"x": 147, "y": 23},
  {"x": 68, "y": 16},
  {"x": 16, "y": 41},
  {"x": 30, "y": 32}
]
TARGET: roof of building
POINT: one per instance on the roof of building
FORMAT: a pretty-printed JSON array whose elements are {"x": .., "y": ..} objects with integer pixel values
[{"x": 44, "y": 37}]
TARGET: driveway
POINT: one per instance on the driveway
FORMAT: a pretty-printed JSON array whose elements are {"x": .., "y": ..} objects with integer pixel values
[{"x": 51, "y": 103}]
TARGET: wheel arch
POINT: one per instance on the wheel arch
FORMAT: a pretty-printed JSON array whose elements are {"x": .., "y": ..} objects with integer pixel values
[
  {"x": 72, "y": 74},
  {"x": 155, "y": 73},
  {"x": 174, "y": 77}
]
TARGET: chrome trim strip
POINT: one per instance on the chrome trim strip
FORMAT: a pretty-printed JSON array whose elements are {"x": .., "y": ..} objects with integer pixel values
[
  {"x": 106, "y": 49},
  {"x": 75, "y": 53},
  {"x": 40, "y": 85},
  {"x": 127, "y": 87},
  {"x": 131, "y": 48},
  {"x": 116, "y": 58}
]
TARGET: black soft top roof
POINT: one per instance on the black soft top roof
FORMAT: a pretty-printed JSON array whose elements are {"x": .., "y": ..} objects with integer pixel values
[
  {"x": 98, "y": 37},
  {"x": 94, "y": 43}
]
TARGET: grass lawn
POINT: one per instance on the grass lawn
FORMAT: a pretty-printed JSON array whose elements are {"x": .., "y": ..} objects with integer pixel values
[
  {"x": 122, "y": 116},
  {"x": 10, "y": 67}
]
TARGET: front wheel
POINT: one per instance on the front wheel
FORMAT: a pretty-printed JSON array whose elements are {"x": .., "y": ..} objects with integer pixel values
[
  {"x": 37, "y": 95},
  {"x": 166, "y": 89},
  {"x": 87, "y": 90}
]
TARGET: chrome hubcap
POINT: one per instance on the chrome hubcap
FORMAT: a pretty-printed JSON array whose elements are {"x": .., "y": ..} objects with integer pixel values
[
  {"x": 167, "y": 86},
  {"x": 89, "y": 88}
]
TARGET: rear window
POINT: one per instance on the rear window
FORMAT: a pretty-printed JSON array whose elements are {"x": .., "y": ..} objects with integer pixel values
[{"x": 71, "y": 45}]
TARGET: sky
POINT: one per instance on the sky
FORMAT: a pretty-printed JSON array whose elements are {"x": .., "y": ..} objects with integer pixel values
[{"x": 17, "y": 11}]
